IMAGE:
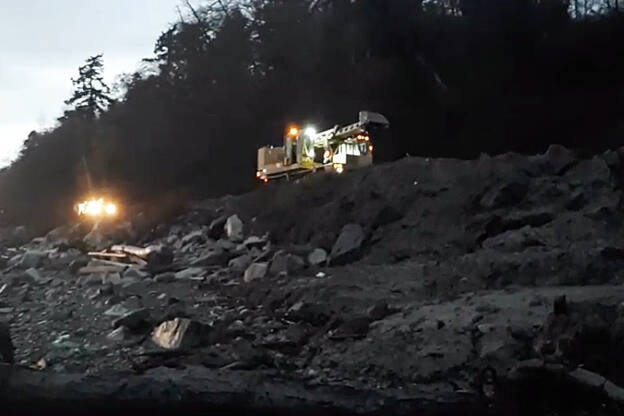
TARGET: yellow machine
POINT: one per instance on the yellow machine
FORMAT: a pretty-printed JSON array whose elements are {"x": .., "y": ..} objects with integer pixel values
[{"x": 305, "y": 150}]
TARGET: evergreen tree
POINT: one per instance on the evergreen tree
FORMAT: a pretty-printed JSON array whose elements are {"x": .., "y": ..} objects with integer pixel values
[{"x": 91, "y": 95}]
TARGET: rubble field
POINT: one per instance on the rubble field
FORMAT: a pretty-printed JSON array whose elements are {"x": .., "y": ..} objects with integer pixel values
[{"x": 430, "y": 285}]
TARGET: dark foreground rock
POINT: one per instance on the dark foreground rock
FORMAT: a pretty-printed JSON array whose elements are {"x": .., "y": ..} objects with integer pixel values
[{"x": 212, "y": 391}]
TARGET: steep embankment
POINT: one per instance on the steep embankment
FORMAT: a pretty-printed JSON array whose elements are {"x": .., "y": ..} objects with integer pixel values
[{"x": 440, "y": 272}]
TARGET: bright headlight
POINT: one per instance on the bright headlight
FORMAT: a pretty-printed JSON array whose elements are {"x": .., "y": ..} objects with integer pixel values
[
  {"x": 310, "y": 131},
  {"x": 96, "y": 208}
]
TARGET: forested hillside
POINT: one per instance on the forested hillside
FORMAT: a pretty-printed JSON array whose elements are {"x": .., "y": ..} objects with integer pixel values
[{"x": 454, "y": 77}]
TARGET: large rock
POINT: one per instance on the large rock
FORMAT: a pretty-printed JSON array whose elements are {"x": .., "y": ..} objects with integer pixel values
[
  {"x": 387, "y": 215},
  {"x": 31, "y": 259},
  {"x": 348, "y": 246},
  {"x": 557, "y": 159},
  {"x": 133, "y": 319},
  {"x": 179, "y": 333},
  {"x": 7, "y": 349},
  {"x": 59, "y": 234},
  {"x": 103, "y": 235},
  {"x": 226, "y": 245},
  {"x": 255, "y": 271},
  {"x": 245, "y": 391},
  {"x": 32, "y": 276},
  {"x": 612, "y": 158},
  {"x": 216, "y": 228},
  {"x": 255, "y": 242},
  {"x": 166, "y": 277},
  {"x": 96, "y": 238},
  {"x": 16, "y": 236},
  {"x": 317, "y": 257},
  {"x": 312, "y": 313},
  {"x": 512, "y": 190},
  {"x": 158, "y": 256},
  {"x": 514, "y": 240},
  {"x": 234, "y": 228},
  {"x": 213, "y": 256},
  {"x": 286, "y": 263},
  {"x": 195, "y": 273},
  {"x": 593, "y": 172},
  {"x": 240, "y": 264},
  {"x": 196, "y": 236}
]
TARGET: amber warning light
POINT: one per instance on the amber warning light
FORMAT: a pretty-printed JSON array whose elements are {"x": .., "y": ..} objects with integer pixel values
[{"x": 293, "y": 131}]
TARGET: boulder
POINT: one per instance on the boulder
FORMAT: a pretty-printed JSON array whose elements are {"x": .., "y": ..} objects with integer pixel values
[
  {"x": 158, "y": 256},
  {"x": 31, "y": 259},
  {"x": 592, "y": 173},
  {"x": 190, "y": 273},
  {"x": 16, "y": 236},
  {"x": 317, "y": 257},
  {"x": 348, "y": 245},
  {"x": 196, "y": 236},
  {"x": 255, "y": 242},
  {"x": 216, "y": 228},
  {"x": 134, "y": 272},
  {"x": 214, "y": 256},
  {"x": 557, "y": 159},
  {"x": 57, "y": 235},
  {"x": 255, "y": 271},
  {"x": 286, "y": 263},
  {"x": 166, "y": 277},
  {"x": 511, "y": 191},
  {"x": 32, "y": 276},
  {"x": 386, "y": 215},
  {"x": 240, "y": 264},
  {"x": 179, "y": 333},
  {"x": 133, "y": 319},
  {"x": 234, "y": 228},
  {"x": 95, "y": 238},
  {"x": 78, "y": 264},
  {"x": 312, "y": 313},
  {"x": 7, "y": 349},
  {"x": 612, "y": 158},
  {"x": 119, "y": 335},
  {"x": 226, "y": 245}
]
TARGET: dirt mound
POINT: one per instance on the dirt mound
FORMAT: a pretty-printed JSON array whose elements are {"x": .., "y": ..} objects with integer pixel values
[{"x": 413, "y": 279}]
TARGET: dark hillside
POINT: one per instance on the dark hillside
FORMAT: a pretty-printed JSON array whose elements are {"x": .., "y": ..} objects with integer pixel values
[{"x": 454, "y": 78}]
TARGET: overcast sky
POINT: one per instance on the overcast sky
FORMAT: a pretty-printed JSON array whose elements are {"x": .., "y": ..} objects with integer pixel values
[{"x": 45, "y": 41}]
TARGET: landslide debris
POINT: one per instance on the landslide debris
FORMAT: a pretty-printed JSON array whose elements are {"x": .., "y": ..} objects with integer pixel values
[{"x": 412, "y": 279}]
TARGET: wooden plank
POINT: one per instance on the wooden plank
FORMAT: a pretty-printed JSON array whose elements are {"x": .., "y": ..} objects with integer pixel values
[{"x": 104, "y": 254}]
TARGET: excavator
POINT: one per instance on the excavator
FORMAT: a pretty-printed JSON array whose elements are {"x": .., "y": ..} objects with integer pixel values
[{"x": 306, "y": 150}]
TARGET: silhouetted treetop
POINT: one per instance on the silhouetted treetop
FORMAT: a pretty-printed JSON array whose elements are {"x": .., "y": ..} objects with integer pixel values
[{"x": 91, "y": 95}]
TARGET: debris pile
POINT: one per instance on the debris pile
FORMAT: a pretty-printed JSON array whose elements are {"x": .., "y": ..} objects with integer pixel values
[{"x": 405, "y": 279}]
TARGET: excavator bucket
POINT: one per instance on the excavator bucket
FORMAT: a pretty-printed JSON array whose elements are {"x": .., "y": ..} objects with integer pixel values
[{"x": 369, "y": 117}]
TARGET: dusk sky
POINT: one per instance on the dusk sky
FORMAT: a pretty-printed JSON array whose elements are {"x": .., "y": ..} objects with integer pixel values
[{"x": 45, "y": 41}]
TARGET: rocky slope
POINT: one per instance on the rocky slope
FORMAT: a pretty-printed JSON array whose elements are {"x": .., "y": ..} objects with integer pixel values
[{"x": 421, "y": 284}]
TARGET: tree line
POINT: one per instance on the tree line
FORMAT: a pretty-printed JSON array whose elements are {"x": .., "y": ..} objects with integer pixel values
[{"x": 454, "y": 77}]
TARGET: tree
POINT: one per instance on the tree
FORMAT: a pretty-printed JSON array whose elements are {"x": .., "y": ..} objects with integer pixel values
[
  {"x": 31, "y": 143},
  {"x": 91, "y": 95},
  {"x": 90, "y": 99}
]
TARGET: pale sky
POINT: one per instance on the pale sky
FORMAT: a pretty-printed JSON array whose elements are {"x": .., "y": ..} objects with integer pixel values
[{"x": 45, "y": 41}]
